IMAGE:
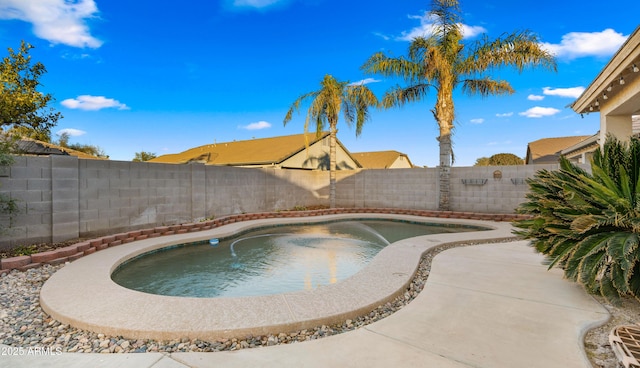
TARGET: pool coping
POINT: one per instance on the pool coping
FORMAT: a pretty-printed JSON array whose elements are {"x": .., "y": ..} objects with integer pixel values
[
  {"x": 83, "y": 248},
  {"x": 83, "y": 295}
]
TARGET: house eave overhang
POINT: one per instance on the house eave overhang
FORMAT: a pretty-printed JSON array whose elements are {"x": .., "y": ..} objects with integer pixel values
[
  {"x": 619, "y": 66},
  {"x": 587, "y": 143}
]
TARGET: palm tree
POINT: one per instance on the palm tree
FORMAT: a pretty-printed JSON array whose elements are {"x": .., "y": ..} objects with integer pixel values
[
  {"x": 443, "y": 62},
  {"x": 325, "y": 105}
]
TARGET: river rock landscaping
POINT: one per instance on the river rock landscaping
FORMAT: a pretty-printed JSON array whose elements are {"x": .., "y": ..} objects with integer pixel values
[{"x": 24, "y": 324}]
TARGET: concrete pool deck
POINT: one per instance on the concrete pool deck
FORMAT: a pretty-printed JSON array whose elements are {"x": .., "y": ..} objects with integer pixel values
[
  {"x": 492, "y": 305},
  {"x": 159, "y": 317}
]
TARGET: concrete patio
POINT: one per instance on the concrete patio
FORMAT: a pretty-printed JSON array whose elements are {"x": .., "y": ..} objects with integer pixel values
[{"x": 490, "y": 305}]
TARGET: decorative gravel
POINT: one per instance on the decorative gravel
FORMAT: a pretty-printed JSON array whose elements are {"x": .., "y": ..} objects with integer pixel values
[{"x": 24, "y": 324}]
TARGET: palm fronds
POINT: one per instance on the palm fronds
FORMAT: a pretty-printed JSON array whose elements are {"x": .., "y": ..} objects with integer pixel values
[
  {"x": 324, "y": 109},
  {"x": 486, "y": 87},
  {"x": 518, "y": 50}
]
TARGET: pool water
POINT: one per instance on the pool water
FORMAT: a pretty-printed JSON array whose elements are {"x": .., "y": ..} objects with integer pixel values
[{"x": 270, "y": 260}]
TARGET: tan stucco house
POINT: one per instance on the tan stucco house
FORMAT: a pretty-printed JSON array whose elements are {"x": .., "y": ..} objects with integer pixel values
[
  {"x": 615, "y": 94},
  {"x": 383, "y": 160},
  {"x": 287, "y": 152},
  {"x": 583, "y": 151},
  {"x": 578, "y": 149},
  {"x": 547, "y": 150}
]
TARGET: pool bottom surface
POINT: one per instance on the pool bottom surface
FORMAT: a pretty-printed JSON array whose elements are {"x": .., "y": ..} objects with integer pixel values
[
  {"x": 268, "y": 261},
  {"x": 83, "y": 295}
]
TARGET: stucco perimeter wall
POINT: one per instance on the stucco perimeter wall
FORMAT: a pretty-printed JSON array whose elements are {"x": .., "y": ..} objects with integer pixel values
[{"x": 63, "y": 197}]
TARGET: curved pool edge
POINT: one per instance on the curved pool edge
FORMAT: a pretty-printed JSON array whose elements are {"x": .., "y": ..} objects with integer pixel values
[{"x": 83, "y": 295}]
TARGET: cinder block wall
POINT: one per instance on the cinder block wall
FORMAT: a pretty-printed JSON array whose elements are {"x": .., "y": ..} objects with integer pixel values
[
  {"x": 485, "y": 189},
  {"x": 287, "y": 189},
  {"x": 399, "y": 188},
  {"x": 491, "y": 189},
  {"x": 62, "y": 197},
  {"x": 28, "y": 181},
  {"x": 118, "y": 195},
  {"x": 232, "y": 190}
]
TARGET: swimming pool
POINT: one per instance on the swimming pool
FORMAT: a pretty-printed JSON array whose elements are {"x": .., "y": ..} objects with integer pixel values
[
  {"x": 270, "y": 260},
  {"x": 83, "y": 295}
]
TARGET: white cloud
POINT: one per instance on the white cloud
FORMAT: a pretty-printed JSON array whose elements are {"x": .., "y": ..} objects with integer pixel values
[
  {"x": 505, "y": 143},
  {"x": 476, "y": 121},
  {"x": 256, "y": 4},
  {"x": 57, "y": 21},
  {"x": 382, "y": 35},
  {"x": 472, "y": 31},
  {"x": 573, "y": 92},
  {"x": 257, "y": 125},
  {"x": 504, "y": 115},
  {"x": 580, "y": 44},
  {"x": 535, "y": 98},
  {"x": 538, "y": 112},
  {"x": 71, "y": 132},
  {"x": 426, "y": 28},
  {"x": 79, "y": 56},
  {"x": 364, "y": 81},
  {"x": 93, "y": 103}
]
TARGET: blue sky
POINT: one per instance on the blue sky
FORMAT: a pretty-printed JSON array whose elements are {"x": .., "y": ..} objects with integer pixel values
[{"x": 165, "y": 76}]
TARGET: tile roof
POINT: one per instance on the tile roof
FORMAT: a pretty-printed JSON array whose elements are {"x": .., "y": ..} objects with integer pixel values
[
  {"x": 588, "y": 145},
  {"x": 378, "y": 159},
  {"x": 28, "y": 146},
  {"x": 263, "y": 151},
  {"x": 546, "y": 150}
]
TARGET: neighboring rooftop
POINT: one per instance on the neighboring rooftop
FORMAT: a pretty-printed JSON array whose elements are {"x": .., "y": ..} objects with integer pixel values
[
  {"x": 28, "y": 146},
  {"x": 547, "y": 150},
  {"x": 383, "y": 160},
  {"x": 308, "y": 151}
]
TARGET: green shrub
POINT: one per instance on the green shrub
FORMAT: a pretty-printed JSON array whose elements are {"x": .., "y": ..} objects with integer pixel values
[
  {"x": 25, "y": 250},
  {"x": 589, "y": 223}
]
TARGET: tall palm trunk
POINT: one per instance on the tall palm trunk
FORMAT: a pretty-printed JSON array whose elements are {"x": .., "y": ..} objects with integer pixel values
[
  {"x": 332, "y": 165},
  {"x": 325, "y": 108},
  {"x": 440, "y": 60},
  {"x": 444, "y": 171},
  {"x": 444, "y": 115}
]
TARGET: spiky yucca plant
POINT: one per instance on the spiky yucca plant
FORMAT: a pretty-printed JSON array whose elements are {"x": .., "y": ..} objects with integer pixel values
[{"x": 589, "y": 223}]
